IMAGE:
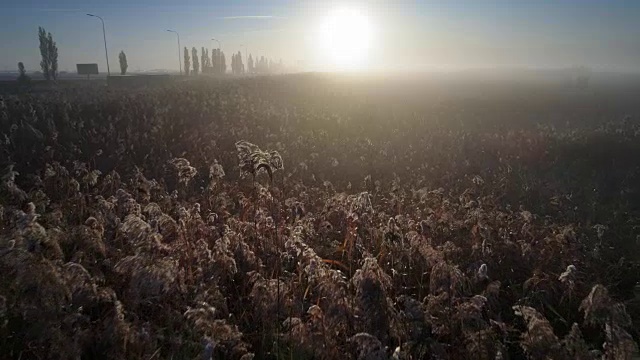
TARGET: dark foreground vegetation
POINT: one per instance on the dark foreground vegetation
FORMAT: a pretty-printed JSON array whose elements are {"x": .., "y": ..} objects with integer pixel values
[{"x": 369, "y": 222}]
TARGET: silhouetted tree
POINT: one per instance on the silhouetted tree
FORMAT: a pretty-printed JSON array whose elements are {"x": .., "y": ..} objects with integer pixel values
[
  {"x": 187, "y": 62},
  {"x": 23, "y": 78},
  {"x": 196, "y": 63},
  {"x": 44, "y": 63},
  {"x": 250, "y": 65},
  {"x": 263, "y": 66},
  {"x": 203, "y": 62},
  {"x": 223, "y": 65},
  {"x": 234, "y": 64},
  {"x": 216, "y": 61},
  {"x": 53, "y": 53},
  {"x": 49, "y": 54},
  {"x": 237, "y": 67},
  {"x": 123, "y": 63},
  {"x": 203, "y": 59},
  {"x": 240, "y": 63}
]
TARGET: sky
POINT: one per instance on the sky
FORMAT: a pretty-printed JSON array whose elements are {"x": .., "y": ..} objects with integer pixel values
[{"x": 604, "y": 34}]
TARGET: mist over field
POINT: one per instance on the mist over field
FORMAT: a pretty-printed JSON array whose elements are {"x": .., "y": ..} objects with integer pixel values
[{"x": 301, "y": 180}]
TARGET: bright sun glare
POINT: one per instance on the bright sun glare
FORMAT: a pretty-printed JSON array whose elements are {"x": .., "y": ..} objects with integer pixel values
[{"x": 346, "y": 36}]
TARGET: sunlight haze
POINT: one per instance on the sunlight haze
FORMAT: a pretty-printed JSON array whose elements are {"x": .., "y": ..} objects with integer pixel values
[
  {"x": 346, "y": 35},
  {"x": 326, "y": 36}
]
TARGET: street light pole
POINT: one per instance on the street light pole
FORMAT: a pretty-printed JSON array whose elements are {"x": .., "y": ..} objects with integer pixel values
[
  {"x": 219, "y": 55},
  {"x": 179, "y": 48},
  {"x": 104, "y": 36}
]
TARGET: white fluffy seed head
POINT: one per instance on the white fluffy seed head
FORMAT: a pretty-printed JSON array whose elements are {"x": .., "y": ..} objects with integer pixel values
[{"x": 482, "y": 272}]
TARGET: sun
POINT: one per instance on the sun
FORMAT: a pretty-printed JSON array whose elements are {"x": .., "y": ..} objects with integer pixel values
[{"x": 346, "y": 36}]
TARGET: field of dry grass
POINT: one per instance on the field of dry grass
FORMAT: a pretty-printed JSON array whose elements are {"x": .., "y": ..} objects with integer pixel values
[{"x": 309, "y": 217}]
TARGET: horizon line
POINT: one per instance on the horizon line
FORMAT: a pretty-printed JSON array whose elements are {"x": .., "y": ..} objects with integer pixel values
[{"x": 250, "y": 17}]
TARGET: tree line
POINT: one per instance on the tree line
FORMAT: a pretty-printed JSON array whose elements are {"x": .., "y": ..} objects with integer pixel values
[
  {"x": 214, "y": 64},
  {"x": 48, "y": 55},
  {"x": 217, "y": 63},
  {"x": 193, "y": 65},
  {"x": 49, "y": 59},
  {"x": 263, "y": 65}
]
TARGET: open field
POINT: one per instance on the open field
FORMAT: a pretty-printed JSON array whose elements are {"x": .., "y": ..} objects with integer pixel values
[{"x": 408, "y": 218}]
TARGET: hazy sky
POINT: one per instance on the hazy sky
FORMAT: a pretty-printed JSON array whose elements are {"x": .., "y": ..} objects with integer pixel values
[{"x": 407, "y": 34}]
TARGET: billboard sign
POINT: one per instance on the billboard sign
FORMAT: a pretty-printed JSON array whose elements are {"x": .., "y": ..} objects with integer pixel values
[{"x": 87, "y": 69}]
